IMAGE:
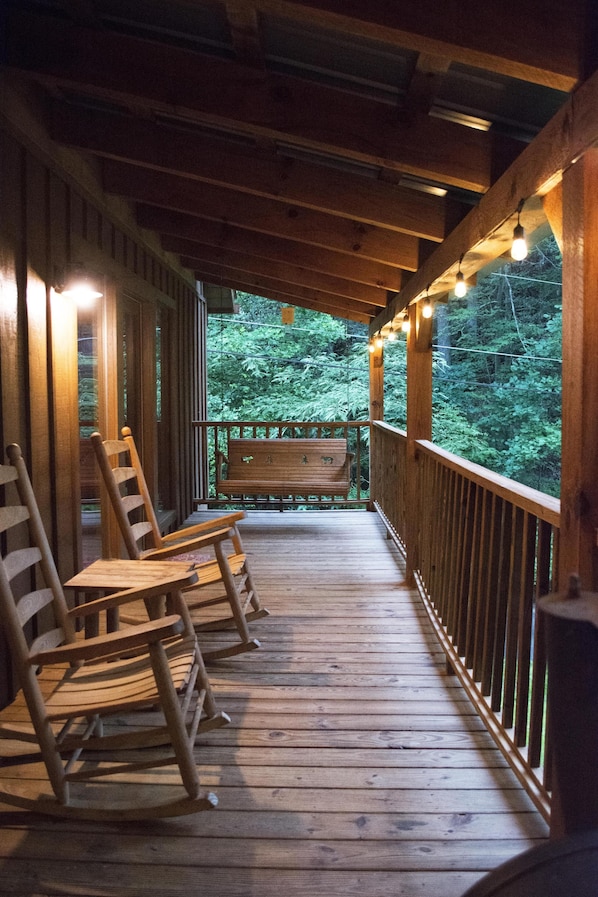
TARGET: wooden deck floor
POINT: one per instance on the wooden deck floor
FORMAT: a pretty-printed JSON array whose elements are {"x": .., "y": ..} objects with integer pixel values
[{"x": 353, "y": 766}]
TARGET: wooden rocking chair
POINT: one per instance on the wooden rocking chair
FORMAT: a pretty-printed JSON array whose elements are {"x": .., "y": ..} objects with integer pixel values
[
  {"x": 99, "y": 708},
  {"x": 126, "y": 485}
]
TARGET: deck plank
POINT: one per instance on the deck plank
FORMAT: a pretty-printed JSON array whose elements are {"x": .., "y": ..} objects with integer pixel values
[{"x": 353, "y": 764}]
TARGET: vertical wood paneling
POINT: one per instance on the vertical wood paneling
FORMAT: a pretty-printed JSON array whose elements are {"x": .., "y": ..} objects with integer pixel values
[{"x": 45, "y": 224}]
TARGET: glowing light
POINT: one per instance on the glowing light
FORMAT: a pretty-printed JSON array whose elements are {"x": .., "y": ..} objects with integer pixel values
[{"x": 519, "y": 247}]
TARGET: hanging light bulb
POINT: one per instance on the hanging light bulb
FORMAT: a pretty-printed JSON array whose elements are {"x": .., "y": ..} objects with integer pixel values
[
  {"x": 405, "y": 325},
  {"x": 460, "y": 285},
  {"x": 392, "y": 335},
  {"x": 371, "y": 346},
  {"x": 519, "y": 246},
  {"x": 427, "y": 310},
  {"x": 378, "y": 340}
]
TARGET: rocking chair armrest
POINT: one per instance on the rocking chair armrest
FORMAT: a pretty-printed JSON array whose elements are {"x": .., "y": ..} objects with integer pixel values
[
  {"x": 196, "y": 529},
  {"x": 113, "y": 642},
  {"x": 125, "y": 596},
  {"x": 186, "y": 545}
]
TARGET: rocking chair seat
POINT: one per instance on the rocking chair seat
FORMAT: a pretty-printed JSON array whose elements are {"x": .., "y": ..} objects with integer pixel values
[
  {"x": 84, "y": 696},
  {"x": 129, "y": 495}
]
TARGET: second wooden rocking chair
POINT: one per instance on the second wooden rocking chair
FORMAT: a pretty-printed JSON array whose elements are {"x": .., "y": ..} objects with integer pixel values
[
  {"x": 99, "y": 708},
  {"x": 129, "y": 495}
]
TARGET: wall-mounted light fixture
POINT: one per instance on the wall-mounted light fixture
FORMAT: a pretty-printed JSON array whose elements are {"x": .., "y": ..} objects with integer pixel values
[
  {"x": 77, "y": 283},
  {"x": 519, "y": 245},
  {"x": 460, "y": 285}
]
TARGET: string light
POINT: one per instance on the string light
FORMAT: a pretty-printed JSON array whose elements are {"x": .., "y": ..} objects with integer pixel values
[
  {"x": 427, "y": 310},
  {"x": 405, "y": 325},
  {"x": 460, "y": 285},
  {"x": 519, "y": 247},
  {"x": 392, "y": 335},
  {"x": 378, "y": 340}
]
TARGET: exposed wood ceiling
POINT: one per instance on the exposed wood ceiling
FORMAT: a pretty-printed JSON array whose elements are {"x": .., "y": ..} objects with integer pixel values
[{"x": 315, "y": 152}]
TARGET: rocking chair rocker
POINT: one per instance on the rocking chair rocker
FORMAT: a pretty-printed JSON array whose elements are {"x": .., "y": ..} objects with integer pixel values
[{"x": 150, "y": 677}]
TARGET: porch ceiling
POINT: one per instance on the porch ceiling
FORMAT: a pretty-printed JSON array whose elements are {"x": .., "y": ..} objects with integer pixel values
[{"x": 316, "y": 151}]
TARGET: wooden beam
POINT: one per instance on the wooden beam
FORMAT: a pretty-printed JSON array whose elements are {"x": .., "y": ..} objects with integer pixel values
[
  {"x": 194, "y": 88},
  {"x": 304, "y": 300},
  {"x": 376, "y": 370},
  {"x": 425, "y": 83},
  {"x": 552, "y": 203},
  {"x": 267, "y": 216},
  {"x": 244, "y": 28},
  {"x": 283, "y": 271},
  {"x": 486, "y": 232},
  {"x": 419, "y": 426},
  {"x": 537, "y": 40},
  {"x": 323, "y": 187},
  {"x": 254, "y": 283},
  {"x": 274, "y": 248},
  {"x": 578, "y": 551}
]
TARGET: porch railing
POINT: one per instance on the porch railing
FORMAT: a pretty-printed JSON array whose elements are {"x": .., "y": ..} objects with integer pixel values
[
  {"x": 483, "y": 549},
  {"x": 212, "y": 435}
]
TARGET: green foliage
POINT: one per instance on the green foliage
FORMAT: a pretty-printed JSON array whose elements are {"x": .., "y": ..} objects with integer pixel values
[
  {"x": 261, "y": 369},
  {"x": 496, "y": 369}
]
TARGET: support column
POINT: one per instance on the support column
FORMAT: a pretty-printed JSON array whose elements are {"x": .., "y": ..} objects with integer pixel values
[
  {"x": 572, "y": 642},
  {"x": 579, "y": 476},
  {"x": 419, "y": 421},
  {"x": 377, "y": 384}
]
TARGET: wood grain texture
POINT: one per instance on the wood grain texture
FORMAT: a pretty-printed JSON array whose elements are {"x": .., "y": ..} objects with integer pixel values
[{"x": 341, "y": 773}]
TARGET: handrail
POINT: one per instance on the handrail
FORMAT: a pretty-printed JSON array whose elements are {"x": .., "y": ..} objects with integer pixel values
[
  {"x": 211, "y": 436},
  {"x": 485, "y": 549},
  {"x": 544, "y": 506}
]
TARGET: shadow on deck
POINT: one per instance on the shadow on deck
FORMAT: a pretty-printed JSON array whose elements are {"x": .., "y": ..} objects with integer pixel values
[{"x": 354, "y": 765}]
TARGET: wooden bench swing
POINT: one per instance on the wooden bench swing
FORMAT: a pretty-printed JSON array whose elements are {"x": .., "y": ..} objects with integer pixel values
[{"x": 284, "y": 468}]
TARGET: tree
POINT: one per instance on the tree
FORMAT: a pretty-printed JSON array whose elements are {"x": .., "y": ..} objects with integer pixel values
[{"x": 496, "y": 369}]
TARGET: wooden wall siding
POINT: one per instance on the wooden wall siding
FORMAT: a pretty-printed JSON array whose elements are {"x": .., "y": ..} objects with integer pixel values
[{"x": 46, "y": 222}]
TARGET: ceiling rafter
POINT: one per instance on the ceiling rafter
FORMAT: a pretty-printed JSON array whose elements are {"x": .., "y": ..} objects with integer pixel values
[
  {"x": 292, "y": 295},
  {"x": 259, "y": 104},
  {"x": 263, "y": 215},
  {"x": 319, "y": 187},
  {"x": 533, "y": 40},
  {"x": 264, "y": 246},
  {"x": 326, "y": 150},
  {"x": 277, "y": 270}
]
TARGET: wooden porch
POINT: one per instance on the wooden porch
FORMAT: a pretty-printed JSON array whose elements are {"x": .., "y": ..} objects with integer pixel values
[{"x": 354, "y": 765}]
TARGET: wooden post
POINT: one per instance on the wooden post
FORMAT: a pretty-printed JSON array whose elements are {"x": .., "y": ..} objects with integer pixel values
[
  {"x": 377, "y": 384},
  {"x": 376, "y": 405},
  {"x": 572, "y": 645},
  {"x": 579, "y": 478},
  {"x": 572, "y": 651},
  {"x": 419, "y": 422}
]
